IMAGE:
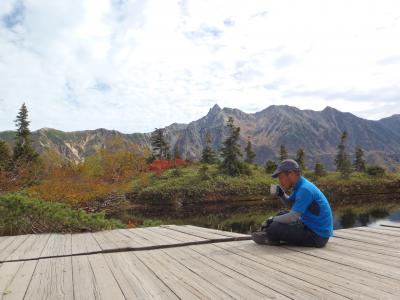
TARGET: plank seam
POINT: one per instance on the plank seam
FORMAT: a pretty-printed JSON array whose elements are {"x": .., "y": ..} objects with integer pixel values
[
  {"x": 134, "y": 249},
  {"x": 386, "y": 225}
]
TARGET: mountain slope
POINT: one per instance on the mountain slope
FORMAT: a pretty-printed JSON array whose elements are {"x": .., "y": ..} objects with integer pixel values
[{"x": 317, "y": 132}]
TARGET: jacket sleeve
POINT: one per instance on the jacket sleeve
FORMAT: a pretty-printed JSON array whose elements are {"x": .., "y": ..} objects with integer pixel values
[{"x": 290, "y": 217}]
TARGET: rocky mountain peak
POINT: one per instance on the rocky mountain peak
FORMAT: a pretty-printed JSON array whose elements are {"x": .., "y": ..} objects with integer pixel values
[
  {"x": 215, "y": 110},
  {"x": 317, "y": 132}
]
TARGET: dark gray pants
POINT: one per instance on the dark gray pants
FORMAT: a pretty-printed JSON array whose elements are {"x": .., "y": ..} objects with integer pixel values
[{"x": 297, "y": 234}]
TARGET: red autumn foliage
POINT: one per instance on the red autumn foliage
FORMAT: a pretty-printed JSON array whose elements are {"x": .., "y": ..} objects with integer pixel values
[
  {"x": 161, "y": 165},
  {"x": 132, "y": 223}
]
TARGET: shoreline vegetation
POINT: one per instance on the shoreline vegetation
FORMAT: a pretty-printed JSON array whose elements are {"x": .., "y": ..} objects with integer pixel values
[
  {"x": 23, "y": 215},
  {"x": 144, "y": 187},
  {"x": 192, "y": 186},
  {"x": 186, "y": 195}
]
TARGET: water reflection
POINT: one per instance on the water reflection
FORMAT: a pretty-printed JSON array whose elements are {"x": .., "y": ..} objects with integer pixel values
[
  {"x": 349, "y": 218},
  {"x": 245, "y": 218}
]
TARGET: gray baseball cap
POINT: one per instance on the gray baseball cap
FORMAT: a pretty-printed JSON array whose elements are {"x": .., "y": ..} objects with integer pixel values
[{"x": 286, "y": 165}]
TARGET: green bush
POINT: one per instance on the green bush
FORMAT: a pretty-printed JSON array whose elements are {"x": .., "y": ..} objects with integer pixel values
[
  {"x": 22, "y": 215},
  {"x": 375, "y": 171},
  {"x": 204, "y": 173}
]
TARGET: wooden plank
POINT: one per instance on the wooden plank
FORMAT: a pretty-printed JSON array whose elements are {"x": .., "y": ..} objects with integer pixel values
[
  {"x": 84, "y": 283},
  {"x": 365, "y": 254},
  {"x": 104, "y": 241},
  {"x": 183, "y": 237},
  {"x": 374, "y": 235},
  {"x": 108, "y": 287},
  {"x": 154, "y": 237},
  {"x": 366, "y": 279},
  {"x": 31, "y": 248},
  {"x": 272, "y": 258},
  {"x": 57, "y": 245},
  {"x": 52, "y": 279},
  {"x": 289, "y": 282},
  {"x": 6, "y": 241},
  {"x": 235, "y": 284},
  {"x": 205, "y": 235},
  {"x": 3, "y": 238},
  {"x": 7, "y": 273},
  {"x": 356, "y": 262},
  {"x": 12, "y": 246},
  {"x": 364, "y": 246},
  {"x": 375, "y": 281},
  {"x": 17, "y": 286},
  {"x": 83, "y": 243},
  {"x": 135, "y": 279},
  {"x": 356, "y": 237},
  {"x": 123, "y": 240},
  {"x": 182, "y": 281},
  {"x": 380, "y": 230},
  {"x": 219, "y": 232},
  {"x": 92, "y": 279},
  {"x": 138, "y": 239}
]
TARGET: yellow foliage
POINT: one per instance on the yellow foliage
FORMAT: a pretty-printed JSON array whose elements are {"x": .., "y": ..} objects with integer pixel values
[{"x": 109, "y": 170}]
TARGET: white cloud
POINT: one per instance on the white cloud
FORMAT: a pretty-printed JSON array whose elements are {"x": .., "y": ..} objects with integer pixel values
[{"x": 137, "y": 65}]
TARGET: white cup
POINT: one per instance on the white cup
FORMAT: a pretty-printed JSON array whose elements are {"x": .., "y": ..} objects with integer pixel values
[{"x": 273, "y": 189}]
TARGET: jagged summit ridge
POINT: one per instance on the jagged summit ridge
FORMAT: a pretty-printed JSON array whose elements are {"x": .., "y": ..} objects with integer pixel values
[{"x": 317, "y": 132}]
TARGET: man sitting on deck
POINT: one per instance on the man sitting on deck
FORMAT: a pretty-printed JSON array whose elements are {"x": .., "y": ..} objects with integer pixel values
[{"x": 308, "y": 223}]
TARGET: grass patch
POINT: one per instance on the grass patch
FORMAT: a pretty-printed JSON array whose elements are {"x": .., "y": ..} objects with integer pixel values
[
  {"x": 192, "y": 184},
  {"x": 22, "y": 215}
]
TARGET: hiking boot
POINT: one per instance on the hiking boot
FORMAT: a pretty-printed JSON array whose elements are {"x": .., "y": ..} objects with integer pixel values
[{"x": 260, "y": 237}]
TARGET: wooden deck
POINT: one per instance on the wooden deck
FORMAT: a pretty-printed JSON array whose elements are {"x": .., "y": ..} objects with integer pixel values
[{"x": 187, "y": 262}]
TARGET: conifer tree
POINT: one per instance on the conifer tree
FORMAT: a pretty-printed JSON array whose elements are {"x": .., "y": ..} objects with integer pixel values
[
  {"x": 300, "y": 158},
  {"x": 231, "y": 153},
  {"x": 159, "y": 144},
  {"x": 208, "y": 155},
  {"x": 283, "y": 154},
  {"x": 359, "y": 162},
  {"x": 23, "y": 150},
  {"x": 270, "y": 166},
  {"x": 319, "y": 169},
  {"x": 342, "y": 162},
  {"x": 250, "y": 154}
]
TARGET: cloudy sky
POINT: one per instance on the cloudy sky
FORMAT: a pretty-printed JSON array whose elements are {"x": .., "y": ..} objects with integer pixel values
[{"x": 133, "y": 65}]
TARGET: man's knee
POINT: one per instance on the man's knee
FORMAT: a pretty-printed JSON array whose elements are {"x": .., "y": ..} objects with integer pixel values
[{"x": 274, "y": 231}]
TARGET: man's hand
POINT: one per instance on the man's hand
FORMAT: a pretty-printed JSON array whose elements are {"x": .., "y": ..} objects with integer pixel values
[
  {"x": 266, "y": 223},
  {"x": 279, "y": 191}
]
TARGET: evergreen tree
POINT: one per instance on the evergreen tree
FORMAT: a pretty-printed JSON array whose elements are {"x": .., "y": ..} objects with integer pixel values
[
  {"x": 342, "y": 162},
  {"x": 5, "y": 156},
  {"x": 300, "y": 158},
  {"x": 208, "y": 155},
  {"x": 250, "y": 154},
  {"x": 359, "y": 162},
  {"x": 270, "y": 166},
  {"x": 230, "y": 152},
  {"x": 319, "y": 169},
  {"x": 159, "y": 144},
  {"x": 283, "y": 154},
  {"x": 23, "y": 150}
]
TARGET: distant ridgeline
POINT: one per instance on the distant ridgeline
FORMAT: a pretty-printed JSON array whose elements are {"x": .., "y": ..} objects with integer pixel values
[{"x": 317, "y": 132}]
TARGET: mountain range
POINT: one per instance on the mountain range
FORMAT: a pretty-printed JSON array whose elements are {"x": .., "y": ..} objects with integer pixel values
[{"x": 317, "y": 132}]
